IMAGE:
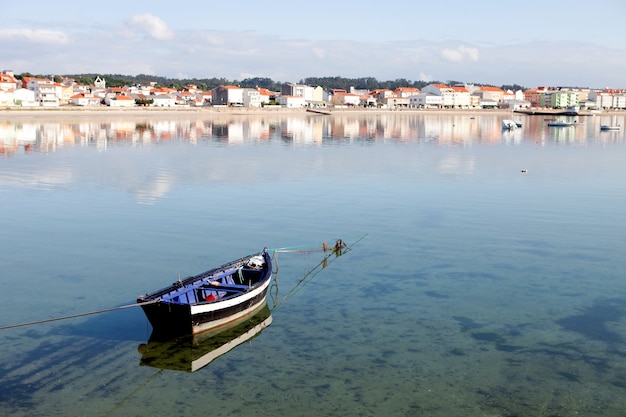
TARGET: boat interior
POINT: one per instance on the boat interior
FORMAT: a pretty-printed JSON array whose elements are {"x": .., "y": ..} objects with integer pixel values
[{"x": 216, "y": 287}]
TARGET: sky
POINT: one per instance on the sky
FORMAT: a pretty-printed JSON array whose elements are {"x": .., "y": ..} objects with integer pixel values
[{"x": 531, "y": 43}]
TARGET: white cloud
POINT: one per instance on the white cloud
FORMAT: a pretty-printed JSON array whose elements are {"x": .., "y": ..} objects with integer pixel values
[
  {"x": 154, "y": 25},
  {"x": 214, "y": 40},
  {"x": 319, "y": 52},
  {"x": 451, "y": 55},
  {"x": 41, "y": 36},
  {"x": 471, "y": 53},
  {"x": 425, "y": 77},
  {"x": 460, "y": 54}
]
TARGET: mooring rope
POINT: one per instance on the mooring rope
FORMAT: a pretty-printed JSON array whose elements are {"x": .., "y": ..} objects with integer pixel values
[
  {"x": 339, "y": 245},
  {"x": 314, "y": 247},
  {"x": 11, "y": 326},
  {"x": 336, "y": 251},
  {"x": 132, "y": 394}
]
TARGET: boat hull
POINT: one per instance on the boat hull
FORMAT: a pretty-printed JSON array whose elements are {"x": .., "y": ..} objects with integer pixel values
[
  {"x": 560, "y": 124},
  {"x": 508, "y": 124},
  {"x": 169, "y": 316}
]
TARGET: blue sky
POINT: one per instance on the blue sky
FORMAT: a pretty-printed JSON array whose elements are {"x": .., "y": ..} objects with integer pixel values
[{"x": 532, "y": 43}]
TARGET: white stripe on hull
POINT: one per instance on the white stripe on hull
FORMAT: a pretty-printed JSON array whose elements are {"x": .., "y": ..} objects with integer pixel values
[{"x": 206, "y": 308}]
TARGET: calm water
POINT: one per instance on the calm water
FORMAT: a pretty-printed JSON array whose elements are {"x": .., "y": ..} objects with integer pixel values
[{"x": 479, "y": 290}]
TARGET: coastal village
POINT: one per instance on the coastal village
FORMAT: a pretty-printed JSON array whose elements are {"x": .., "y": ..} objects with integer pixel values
[{"x": 32, "y": 92}]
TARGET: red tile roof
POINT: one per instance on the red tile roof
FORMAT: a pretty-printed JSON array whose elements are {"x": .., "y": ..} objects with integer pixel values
[{"x": 487, "y": 88}]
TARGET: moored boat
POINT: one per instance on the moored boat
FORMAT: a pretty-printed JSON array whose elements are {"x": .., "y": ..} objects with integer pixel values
[
  {"x": 508, "y": 124},
  {"x": 572, "y": 110},
  {"x": 560, "y": 123},
  {"x": 211, "y": 299},
  {"x": 610, "y": 127}
]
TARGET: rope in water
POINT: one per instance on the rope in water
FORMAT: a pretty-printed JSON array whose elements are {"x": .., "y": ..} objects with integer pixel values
[
  {"x": 132, "y": 394},
  {"x": 302, "y": 248},
  {"x": 314, "y": 247},
  {"x": 77, "y": 315},
  {"x": 338, "y": 250}
]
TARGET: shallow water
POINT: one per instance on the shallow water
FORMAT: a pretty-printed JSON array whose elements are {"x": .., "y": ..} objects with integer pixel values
[{"x": 479, "y": 290}]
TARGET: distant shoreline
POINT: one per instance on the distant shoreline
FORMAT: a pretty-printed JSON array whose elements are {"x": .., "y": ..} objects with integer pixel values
[{"x": 65, "y": 113}]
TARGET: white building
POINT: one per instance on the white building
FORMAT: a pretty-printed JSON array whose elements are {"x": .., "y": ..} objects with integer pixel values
[
  {"x": 291, "y": 102},
  {"x": 24, "y": 98},
  {"x": 341, "y": 98},
  {"x": 461, "y": 97},
  {"x": 119, "y": 101},
  {"x": 446, "y": 93},
  {"x": 298, "y": 90},
  {"x": 425, "y": 101},
  {"x": 227, "y": 95},
  {"x": 163, "y": 100},
  {"x": 45, "y": 91},
  {"x": 252, "y": 98},
  {"x": 396, "y": 101},
  {"x": 84, "y": 99},
  {"x": 619, "y": 101},
  {"x": 8, "y": 82},
  {"x": 406, "y": 91}
]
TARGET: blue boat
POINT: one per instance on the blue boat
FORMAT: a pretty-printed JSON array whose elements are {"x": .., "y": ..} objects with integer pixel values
[{"x": 211, "y": 299}]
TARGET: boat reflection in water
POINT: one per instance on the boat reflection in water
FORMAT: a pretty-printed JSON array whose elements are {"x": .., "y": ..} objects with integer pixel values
[
  {"x": 194, "y": 351},
  {"x": 190, "y": 353}
]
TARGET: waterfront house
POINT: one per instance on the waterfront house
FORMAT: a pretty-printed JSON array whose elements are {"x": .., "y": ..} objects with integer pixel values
[
  {"x": 119, "y": 101},
  {"x": 406, "y": 92},
  {"x": 298, "y": 90},
  {"x": 252, "y": 98},
  {"x": 533, "y": 95},
  {"x": 266, "y": 95},
  {"x": 461, "y": 97},
  {"x": 162, "y": 100},
  {"x": 560, "y": 99},
  {"x": 381, "y": 94},
  {"x": 394, "y": 102},
  {"x": 341, "y": 98},
  {"x": 24, "y": 97},
  {"x": 490, "y": 94},
  {"x": 45, "y": 91},
  {"x": 227, "y": 95},
  {"x": 446, "y": 93},
  {"x": 425, "y": 101},
  {"x": 84, "y": 99},
  {"x": 608, "y": 98},
  {"x": 8, "y": 82},
  {"x": 6, "y": 98},
  {"x": 204, "y": 97},
  {"x": 291, "y": 102}
]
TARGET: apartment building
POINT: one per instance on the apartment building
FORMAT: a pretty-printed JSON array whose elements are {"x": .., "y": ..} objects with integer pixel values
[{"x": 46, "y": 93}]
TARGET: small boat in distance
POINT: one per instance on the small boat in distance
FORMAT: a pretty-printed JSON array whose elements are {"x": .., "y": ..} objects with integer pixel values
[
  {"x": 508, "y": 124},
  {"x": 560, "y": 123},
  {"x": 610, "y": 127},
  {"x": 572, "y": 110},
  {"x": 316, "y": 110},
  {"x": 211, "y": 299}
]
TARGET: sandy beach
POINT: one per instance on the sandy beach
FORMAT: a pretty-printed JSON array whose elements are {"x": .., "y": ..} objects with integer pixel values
[{"x": 80, "y": 113}]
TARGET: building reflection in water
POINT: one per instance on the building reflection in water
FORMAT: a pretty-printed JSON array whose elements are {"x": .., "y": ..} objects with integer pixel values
[{"x": 449, "y": 129}]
